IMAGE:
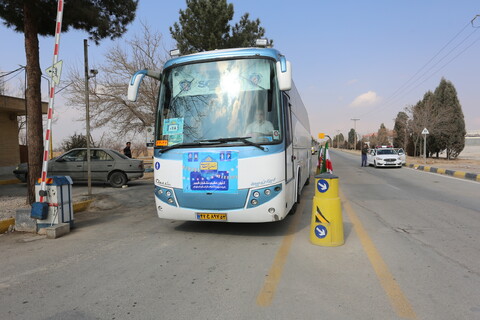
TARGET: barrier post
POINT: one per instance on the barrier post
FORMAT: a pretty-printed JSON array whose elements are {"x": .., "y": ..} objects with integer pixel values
[{"x": 326, "y": 228}]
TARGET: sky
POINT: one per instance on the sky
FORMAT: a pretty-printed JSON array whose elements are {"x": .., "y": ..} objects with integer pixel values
[{"x": 351, "y": 59}]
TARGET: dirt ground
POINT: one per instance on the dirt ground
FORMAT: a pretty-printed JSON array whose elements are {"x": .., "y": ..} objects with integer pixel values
[
  {"x": 465, "y": 165},
  {"x": 467, "y": 161}
]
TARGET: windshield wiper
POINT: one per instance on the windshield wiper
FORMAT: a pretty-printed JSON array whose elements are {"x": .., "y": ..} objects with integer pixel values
[{"x": 234, "y": 139}]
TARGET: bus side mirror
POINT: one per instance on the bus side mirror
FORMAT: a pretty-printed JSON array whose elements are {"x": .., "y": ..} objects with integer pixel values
[
  {"x": 284, "y": 74},
  {"x": 135, "y": 81}
]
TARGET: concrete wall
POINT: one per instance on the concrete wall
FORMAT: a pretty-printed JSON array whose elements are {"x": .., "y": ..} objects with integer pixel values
[{"x": 9, "y": 149}]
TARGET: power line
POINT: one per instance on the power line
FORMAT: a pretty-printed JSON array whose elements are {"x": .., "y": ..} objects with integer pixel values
[
  {"x": 431, "y": 59},
  {"x": 401, "y": 90},
  {"x": 12, "y": 77},
  {"x": 10, "y": 72}
]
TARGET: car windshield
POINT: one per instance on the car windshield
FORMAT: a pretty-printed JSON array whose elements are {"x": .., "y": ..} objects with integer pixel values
[
  {"x": 225, "y": 101},
  {"x": 386, "y": 151}
]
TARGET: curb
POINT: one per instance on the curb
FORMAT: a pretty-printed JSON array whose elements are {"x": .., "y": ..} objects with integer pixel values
[
  {"x": 77, "y": 207},
  {"x": 81, "y": 205},
  {"x": 452, "y": 173},
  {"x": 9, "y": 181},
  {"x": 5, "y": 224}
]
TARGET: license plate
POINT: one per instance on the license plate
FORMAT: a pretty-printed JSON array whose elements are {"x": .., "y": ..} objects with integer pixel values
[{"x": 212, "y": 216}]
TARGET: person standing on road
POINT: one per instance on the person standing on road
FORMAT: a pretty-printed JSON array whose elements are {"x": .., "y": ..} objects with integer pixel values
[
  {"x": 127, "y": 151},
  {"x": 364, "y": 155}
]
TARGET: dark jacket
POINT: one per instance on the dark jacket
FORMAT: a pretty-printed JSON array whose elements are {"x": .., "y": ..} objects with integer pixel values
[{"x": 127, "y": 152}]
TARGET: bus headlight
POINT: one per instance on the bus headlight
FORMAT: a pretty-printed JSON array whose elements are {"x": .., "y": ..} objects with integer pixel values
[
  {"x": 260, "y": 196},
  {"x": 165, "y": 195}
]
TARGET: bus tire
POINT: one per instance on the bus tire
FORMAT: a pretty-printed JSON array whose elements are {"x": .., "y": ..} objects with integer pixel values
[
  {"x": 293, "y": 209},
  {"x": 299, "y": 188}
]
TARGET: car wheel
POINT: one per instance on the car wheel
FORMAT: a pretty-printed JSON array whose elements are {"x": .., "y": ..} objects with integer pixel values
[
  {"x": 117, "y": 179},
  {"x": 375, "y": 164}
]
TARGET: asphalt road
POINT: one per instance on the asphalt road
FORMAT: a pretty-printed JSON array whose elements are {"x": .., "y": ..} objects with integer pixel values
[{"x": 411, "y": 251}]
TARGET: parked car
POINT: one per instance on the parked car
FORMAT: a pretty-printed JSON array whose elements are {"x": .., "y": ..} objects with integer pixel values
[
  {"x": 402, "y": 155},
  {"x": 106, "y": 165},
  {"x": 383, "y": 157}
]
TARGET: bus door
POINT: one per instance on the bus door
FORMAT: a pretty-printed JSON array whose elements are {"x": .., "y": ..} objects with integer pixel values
[{"x": 289, "y": 155}]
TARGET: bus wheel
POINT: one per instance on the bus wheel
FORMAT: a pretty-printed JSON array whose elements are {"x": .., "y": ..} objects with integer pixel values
[
  {"x": 299, "y": 189},
  {"x": 293, "y": 209}
]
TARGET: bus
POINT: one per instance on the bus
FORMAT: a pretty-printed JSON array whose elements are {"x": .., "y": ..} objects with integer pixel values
[{"x": 232, "y": 136}]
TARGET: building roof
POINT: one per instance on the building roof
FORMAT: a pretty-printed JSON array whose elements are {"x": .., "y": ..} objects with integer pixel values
[{"x": 17, "y": 105}]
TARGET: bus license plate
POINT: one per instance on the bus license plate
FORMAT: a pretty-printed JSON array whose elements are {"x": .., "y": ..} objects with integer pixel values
[{"x": 212, "y": 216}]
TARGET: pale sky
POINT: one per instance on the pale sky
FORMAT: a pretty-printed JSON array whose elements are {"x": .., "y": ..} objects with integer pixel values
[{"x": 351, "y": 59}]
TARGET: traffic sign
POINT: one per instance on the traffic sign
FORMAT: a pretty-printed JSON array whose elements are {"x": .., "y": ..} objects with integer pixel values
[
  {"x": 425, "y": 131},
  {"x": 55, "y": 71},
  {"x": 149, "y": 136},
  {"x": 322, "y": 186},
  {"x": 321, "y": 231}
]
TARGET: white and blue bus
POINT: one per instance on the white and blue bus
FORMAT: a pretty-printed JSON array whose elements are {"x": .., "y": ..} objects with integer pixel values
[{"x": 232, "y": 136}]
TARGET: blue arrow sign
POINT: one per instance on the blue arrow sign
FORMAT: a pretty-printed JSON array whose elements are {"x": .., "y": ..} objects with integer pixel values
[
  {"x": 322, "y": 186},
  {"x": 321, "y": 231}
]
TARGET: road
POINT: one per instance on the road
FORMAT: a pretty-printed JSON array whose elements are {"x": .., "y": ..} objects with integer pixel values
[{"x": 411, "y": 252}]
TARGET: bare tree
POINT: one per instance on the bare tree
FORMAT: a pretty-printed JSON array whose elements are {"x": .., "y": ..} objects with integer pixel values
[
  {"x": 422, "y": 115},
  {"x": 109, "y": 106}
]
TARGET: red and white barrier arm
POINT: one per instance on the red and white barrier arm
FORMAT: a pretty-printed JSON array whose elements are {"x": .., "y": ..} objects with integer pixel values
[{"x": 48, "y": 135}]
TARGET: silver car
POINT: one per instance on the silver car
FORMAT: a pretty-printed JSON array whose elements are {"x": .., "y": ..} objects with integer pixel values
[{"x": 106, "y": 166}]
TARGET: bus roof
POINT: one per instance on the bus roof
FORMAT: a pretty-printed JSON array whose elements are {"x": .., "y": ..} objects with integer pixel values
[{"x": 225, "y": 53}]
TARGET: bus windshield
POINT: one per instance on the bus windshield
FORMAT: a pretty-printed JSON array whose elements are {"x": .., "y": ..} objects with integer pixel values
[{"x": 219, "y": 101}]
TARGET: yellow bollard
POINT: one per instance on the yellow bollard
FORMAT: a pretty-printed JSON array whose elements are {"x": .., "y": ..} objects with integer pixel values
[{"x": 326, "y": 228}]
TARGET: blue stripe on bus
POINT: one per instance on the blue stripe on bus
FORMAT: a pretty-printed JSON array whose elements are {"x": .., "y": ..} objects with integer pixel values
[{"x": 243, "y": 152}]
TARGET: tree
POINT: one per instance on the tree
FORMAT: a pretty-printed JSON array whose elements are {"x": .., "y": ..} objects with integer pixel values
[
  {"x": 351, "y": 137},
  {"x": 108, "y": 90},
  {"x": 382, "y": 135},
  {"x": 450, "y": 135},
  {"x": 422, "y": 116},
  {"x": 75, "y": 141},
  {"x": 338, "y": 140},
  {"x": 99, "y": 18},
  {"x": 400, "y": 128},
  {"x": 204, "y": 25}
]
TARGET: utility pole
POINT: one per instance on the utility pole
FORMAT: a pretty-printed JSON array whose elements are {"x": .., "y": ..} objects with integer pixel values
[
  {"x": 355, "y": 132},
  {"x": 87, "y": 118}
]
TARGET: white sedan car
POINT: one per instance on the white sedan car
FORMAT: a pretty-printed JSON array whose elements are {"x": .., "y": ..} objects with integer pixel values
[
  {"x": 384, "y": 157},
  {"x": 402, "y": 155}
]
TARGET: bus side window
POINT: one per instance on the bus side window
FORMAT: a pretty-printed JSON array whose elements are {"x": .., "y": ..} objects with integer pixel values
[{"x": 288, "y": 120}]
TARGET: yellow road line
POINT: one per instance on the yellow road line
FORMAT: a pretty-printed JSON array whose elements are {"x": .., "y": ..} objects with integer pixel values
[
  {"x": 399, "y": 301},
  {"x": 265, "y": 297}
]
